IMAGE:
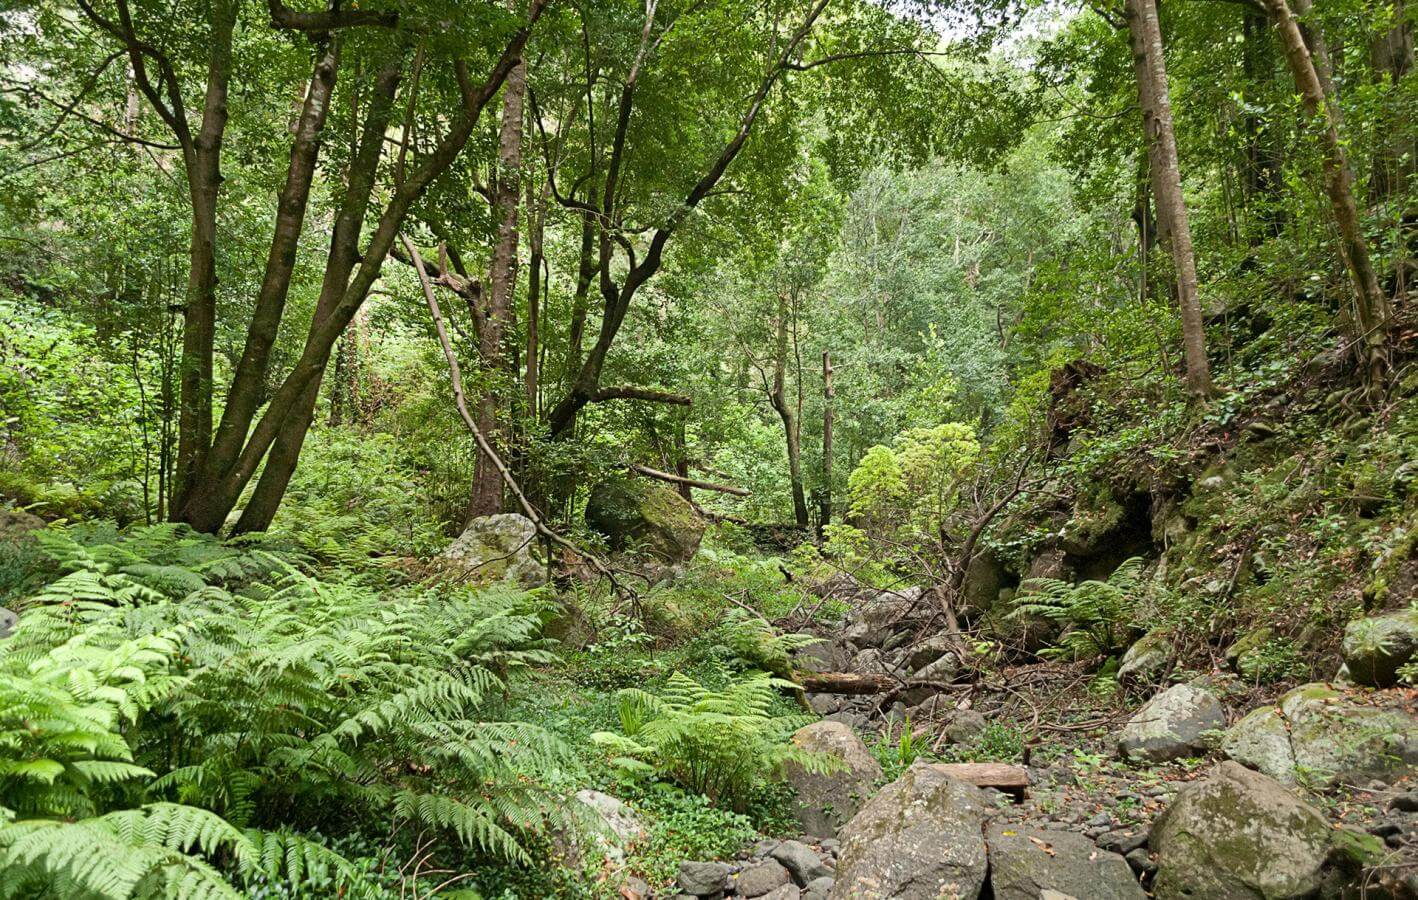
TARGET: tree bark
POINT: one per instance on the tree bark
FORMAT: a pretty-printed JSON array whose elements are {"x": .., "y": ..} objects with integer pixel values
[
  {"x": 486, "y": 496},
  {"x": 1311, "y": 74},
  {"x": 824, "y": 512},
  {"x": 535, "y": 261},
  {"x": 1145, "y": 34},
  {"x": 777, "y": 396}
]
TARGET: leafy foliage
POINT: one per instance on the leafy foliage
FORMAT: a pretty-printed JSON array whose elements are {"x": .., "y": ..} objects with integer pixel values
[
  {"x": 723, "y": 744},
  {"x": 1098, "y": 615},
  {"x": 287, "y": 702}
]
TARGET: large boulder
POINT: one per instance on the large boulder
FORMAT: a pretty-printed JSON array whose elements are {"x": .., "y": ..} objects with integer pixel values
[
  {"x": 1239, "y": 835},
  {"x": 984, "y": 577},
  {"x": 607, "y": 829},
  {"x": 1172, "y": 725},
  {"x": 1025, "y": 863},
  {"x": 1375, "y": 648},
  {"x": 827, "y": 800},
  {"x": 919, "y": 838},
  {"x": 642, "y": 515},
  {"x": 1323, "y": 736},
  {"x": 1145, "y": 662},
  {"x": 503, "y": 547}
]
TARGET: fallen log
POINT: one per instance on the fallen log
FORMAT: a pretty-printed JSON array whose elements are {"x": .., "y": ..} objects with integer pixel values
[
  {"x": 845, "y": 683},
  {"x": 692, "y": 482},
  {"x": 1012, "y": 780}
]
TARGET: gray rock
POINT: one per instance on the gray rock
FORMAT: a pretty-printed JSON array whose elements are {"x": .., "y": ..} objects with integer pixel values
[
  {"x": 826, "y": 800},
  {"x": 872, "y": 661},
  {"x": 984, "y": 576},
  {"x": 703, "y": 879},
  {"x": 919, "y": 838},
  {"x": 824, "y": 656},
  {"x": 1141, "y": 861},
  {"x": 1123, "y": 840},
  {"x": 7, "y": 622},
  {"x": 498, "y": 548},
  {"x": 637, "y": 514},
  {"x": 801, "y": 861},
  {"x": 826, "y": 704},
  {"x": 1247, "y": 645},
  {"x": 1145, "y": 662},
  {"x": 1324, "y": 736},
  {"x": 822, "y": 886},
  {"x": 635, "y": 888},
  {"x": 1376, "y": 647},
  {"x": 1024, "y": 862},
  {"x": 965, "y": 727},
  {"x": 785, "y": 892},
  {"x": 941, "y": 669},
  {"x": 927, "y": 652},
  {"x": 622, "y": 828},
  {"x": 760, "y": 878},
  {"x": 1239, "y": 835},
  {"x": 1171, "y": 725}
]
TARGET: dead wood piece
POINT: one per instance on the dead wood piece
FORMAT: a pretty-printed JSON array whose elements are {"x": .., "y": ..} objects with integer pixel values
[{"x": 1012, "y": 780}]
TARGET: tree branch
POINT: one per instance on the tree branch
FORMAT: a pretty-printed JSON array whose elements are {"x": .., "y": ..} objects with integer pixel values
[{"x": 680, "y": 479}]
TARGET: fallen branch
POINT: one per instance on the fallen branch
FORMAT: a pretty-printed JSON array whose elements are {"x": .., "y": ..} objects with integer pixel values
[
  {"x": 692, "y": 482},
  {"x": 638, "y": 393},
  {"x": 456, "y": 374}
]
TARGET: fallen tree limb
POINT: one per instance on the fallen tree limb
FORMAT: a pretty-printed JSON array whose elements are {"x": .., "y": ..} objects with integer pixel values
[
  {"x": 456, "y": 375},
  {"x": 845, "y": 683},
  {"x": 629, "y": 392},
  {"x": 692, "y": 482}
]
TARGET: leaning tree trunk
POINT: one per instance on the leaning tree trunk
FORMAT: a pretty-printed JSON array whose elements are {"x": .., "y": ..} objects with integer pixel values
[
  {"x": 1371, "y": 307},
  {"x": 486, "y": 496},
  {"x": 1145, "y": 33}
]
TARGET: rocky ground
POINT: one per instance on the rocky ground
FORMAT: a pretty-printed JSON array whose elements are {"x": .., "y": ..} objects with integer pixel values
[{"x": 1203, "y": 788}]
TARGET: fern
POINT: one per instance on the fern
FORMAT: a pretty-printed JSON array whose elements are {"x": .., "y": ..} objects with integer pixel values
[
  {"x": 722, "y": 744},
  {"x": 756, "y": 645},
  {"x": 174, "y": 711},
  {"x": 1098, "y": 615}
]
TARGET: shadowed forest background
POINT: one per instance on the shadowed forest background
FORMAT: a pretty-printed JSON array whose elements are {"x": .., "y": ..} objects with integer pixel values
[{"x": 414, "y": 415}]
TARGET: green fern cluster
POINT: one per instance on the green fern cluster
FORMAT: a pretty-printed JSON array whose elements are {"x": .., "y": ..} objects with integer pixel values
[
  {"x": 723, "y": 744},
  {"x": 173, "y": 711},
  {"x": 1098, "y": 616},
  {"x": 755, "y": 644}
]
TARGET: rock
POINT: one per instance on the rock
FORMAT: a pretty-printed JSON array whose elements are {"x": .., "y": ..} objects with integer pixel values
[
  {"x": 1123, "y": 841},
  {"x": 1376, "y": 647},
  {"x": 635, "y": 888},
  {"x": 801, "y": 861},
  {"x": 984, "y": 576},
  {"x": 786, "y": 892},
  {"x": 7, "y": 622},
  {"x": 943, "y": 669},
  {"x": 1239, "y": 835},
  {"x": 1248, "y": 643},
  {"x": 825, "y": 801},
  {"x": 1405, "y": 802},
  {"x": 872, "y": 661},
  {"x": 824, "y": 656},
  {"x": 1171, "y": 725},
  {"x": 1048, "y": 563},
  {"x": 703, "y": 879},
  {"x": 818, "y": 889},
  {"x": 826, "y": 704},
  {"x": 965, "y": 726},
  {"x": 1145, "y": 662},
  {"x": 1320, "y": 734},
  {"x": 1141, "y": 862},
  {"x": 642, "y": 515},
  {"x": 919, "y": 838},
  {"x": 1027, "y": 634},
  {"x": 927, "y": 652},
  {"x": 1024, "y": 862},
  {"x": 622, "y": 826},
  {"x": 16, "y": 525},
  {"x": 760, "y": 878},
  {"x": 498, "y": 548}
]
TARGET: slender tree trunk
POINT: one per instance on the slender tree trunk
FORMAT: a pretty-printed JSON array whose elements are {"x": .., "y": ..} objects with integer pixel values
[
  {"x": 1311, "y": 74},
  {"x": 1397, "y": 154},
  {"x": 824, "y": 513},
  {"x": 1262, "y": 157},
  {"x": 580, "y": 300},
  {"x": 486, "y": 497},
  {"x": 779, "y": 399},
  {"x": 1146, "y": 38},
  {"x": 537, "y": 209},
  {"x": 203, "y": 159}
]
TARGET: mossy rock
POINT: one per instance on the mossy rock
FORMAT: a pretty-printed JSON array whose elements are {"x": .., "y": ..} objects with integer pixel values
[
  {"x": 635, "y": 514},
  {"x": 1249, "y": 642},
  {"x": 1375, "y": 648},
  {"x": 1145, "y": 662}
]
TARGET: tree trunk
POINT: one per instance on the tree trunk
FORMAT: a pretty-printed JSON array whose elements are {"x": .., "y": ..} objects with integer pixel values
[
  {"x": 824, "y": 512},
  {"x": 1397, "y": 153},
  {"x": 203, "y": 159},
  {"x": 486, "y": 497},
  {"x": 778, "y": 397},
  {"x": 1311, "y": 74},
  {"x": 1145, "y": 33},
  {"x": 538, "y": 212},
  {"x": 1263, "y": 158}
]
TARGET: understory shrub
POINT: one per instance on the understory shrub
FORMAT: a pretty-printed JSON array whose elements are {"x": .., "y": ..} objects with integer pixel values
[{"x": 176, "y": 712}]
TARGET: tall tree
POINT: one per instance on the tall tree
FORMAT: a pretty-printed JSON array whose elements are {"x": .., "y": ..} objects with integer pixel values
[
  {"x": 1145, "y": 36},
  {"x": 1309, "y": 65}
]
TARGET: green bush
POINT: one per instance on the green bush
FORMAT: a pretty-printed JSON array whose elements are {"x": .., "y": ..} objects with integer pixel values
[
  {"x": 722, "y": 744},
  {"x": 1098, "y": 615},
  {"x": 202, "y": 703}
]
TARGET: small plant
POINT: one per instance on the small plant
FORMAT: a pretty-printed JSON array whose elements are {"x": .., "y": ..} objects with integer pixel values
[
  {"x": 756, "y": 645},
  {"x": 1275, "y": 660},
  {"x": 1098, "y": 615},
  {"x": 722, "y": 744}
]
